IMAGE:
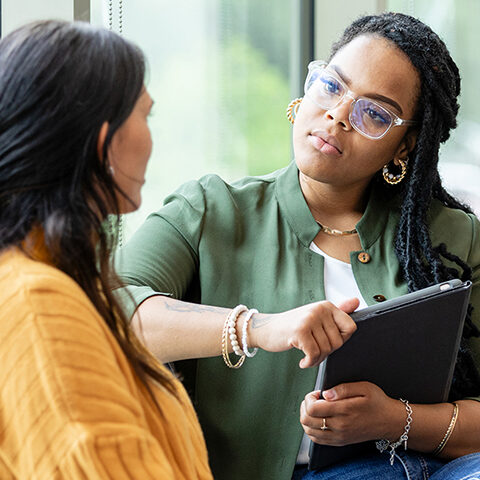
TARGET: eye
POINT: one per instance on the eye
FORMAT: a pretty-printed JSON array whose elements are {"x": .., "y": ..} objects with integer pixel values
[
  {"x": 376, "y": 115},
  {"x": 331, "y": 86}
]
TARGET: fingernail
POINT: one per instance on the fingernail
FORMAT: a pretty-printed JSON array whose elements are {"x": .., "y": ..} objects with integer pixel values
[{"x": 329, "y": 394}]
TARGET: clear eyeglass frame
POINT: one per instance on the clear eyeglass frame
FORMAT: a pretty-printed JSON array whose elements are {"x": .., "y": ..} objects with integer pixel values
[{"x": 395, "y": 120}]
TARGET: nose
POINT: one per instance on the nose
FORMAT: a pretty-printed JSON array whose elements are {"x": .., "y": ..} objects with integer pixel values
[{"x": 340, "y": 113}]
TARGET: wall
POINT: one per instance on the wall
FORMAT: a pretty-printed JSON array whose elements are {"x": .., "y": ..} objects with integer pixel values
[{"x": 19, "y": 12}]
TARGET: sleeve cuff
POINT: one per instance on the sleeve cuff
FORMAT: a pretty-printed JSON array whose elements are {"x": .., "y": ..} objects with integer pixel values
[{"x": 132, "y": 296}]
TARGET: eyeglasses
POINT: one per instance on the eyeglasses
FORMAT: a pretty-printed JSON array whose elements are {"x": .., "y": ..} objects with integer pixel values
[{"x": 367, "y": 117}]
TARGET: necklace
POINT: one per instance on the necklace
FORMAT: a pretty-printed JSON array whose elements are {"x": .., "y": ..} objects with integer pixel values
[{"x": 335, "y": 232}]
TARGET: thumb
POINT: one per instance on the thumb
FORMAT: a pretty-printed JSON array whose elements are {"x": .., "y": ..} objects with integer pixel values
[
  {"x": 347, "y": 390},
  {"x": 350, "y": 305}
]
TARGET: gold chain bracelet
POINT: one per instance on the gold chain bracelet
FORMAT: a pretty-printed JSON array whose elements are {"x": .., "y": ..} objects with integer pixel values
[{"x": 449, "y": 431}]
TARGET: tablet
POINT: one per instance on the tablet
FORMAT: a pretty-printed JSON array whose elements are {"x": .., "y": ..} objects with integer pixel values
[{"x": 407, "y": 346}]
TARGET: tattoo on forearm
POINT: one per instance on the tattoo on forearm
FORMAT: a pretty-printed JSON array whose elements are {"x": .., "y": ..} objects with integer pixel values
[
  {"x": 189, "y": 307},
  {"x": 261, "y": 321},
  {"x": 184, "y": 307}
]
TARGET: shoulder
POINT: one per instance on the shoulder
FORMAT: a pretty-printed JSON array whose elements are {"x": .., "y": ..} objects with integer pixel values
[
  {"x": 440, "y": 214},
  {"x": 212, "y": 188},
  {"x": 32, "y": 290},
  {"x": 459, "y": 230},
  {"x": 18, "y": 271},
  {"x": 49, "y": 329},
  {"x": 211, "y": 203}
]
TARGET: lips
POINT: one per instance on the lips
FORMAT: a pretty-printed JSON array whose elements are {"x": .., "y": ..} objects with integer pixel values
[{"x": 326, "y": 143}]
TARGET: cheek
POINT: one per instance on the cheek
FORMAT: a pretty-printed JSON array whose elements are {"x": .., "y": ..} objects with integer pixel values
[
  {"x": 130, "y": 152},
  {"x": 306, "y": 120},
  {"x": 142, "y": 140},
  {"x": 307, "y": 113},
  {"x": 370, "y": 155},
  {"x": 138, "y": 148},
  {"x": 149, "y": 143}
]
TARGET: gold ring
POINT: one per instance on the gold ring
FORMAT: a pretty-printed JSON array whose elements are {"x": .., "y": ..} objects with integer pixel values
[{"x": 324, "y": 425}]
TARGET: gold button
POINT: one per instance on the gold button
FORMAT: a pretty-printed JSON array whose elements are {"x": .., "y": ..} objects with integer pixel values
[
  {"x": 364, "y": 257},
  {"x": 379, "y": 298}
]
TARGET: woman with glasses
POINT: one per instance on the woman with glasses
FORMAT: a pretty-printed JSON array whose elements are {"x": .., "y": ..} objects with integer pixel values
[{"x": 361, "y": 213}]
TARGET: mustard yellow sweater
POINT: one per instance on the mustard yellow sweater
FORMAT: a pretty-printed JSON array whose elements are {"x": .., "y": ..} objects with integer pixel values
[{"x": 70, "y": 404}]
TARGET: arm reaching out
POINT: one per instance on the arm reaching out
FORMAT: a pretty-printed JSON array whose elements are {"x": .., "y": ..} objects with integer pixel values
[{"x": 175, "y": 330}]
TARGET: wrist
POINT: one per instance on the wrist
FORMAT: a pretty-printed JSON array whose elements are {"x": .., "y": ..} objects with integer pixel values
[
  {"x": 390, "y": 445},
  {"x": 245, "y": 333},
  {"x": 235, "y": 328},
  {"x": 259, "y": 336},
  {"x": 395, "y": 420},
  {"x": 239, "y": 327},
  {"x": 254, "y": 333}
]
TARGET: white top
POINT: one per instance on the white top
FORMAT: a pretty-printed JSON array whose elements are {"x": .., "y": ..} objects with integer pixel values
[
  {"x": 339, "y": 281},
  {"x": 340, "y": 285}
]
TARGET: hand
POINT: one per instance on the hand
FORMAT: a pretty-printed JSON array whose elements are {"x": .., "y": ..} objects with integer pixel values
[
  {"x": 353, "y": 412},
  {"x": 317, "y": 329}
]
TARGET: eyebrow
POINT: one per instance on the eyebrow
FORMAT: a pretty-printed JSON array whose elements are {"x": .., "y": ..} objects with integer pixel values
[{"x": 373, "y": 96}]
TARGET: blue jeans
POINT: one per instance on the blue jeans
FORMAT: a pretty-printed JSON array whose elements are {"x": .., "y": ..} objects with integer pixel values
[{"x": 407, "y": 466}]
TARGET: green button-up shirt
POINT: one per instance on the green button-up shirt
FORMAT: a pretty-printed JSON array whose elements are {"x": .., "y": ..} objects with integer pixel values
[{"x": 248, "y": 242}]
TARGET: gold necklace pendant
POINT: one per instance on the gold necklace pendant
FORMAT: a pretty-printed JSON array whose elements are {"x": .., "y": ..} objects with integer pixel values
[{"x": 336, "y": 233}]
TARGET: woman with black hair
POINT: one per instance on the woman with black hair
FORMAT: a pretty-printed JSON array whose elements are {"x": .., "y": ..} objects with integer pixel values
[
  {"x": 360, "y": 213},
  {"x": 80, "y": 397}
]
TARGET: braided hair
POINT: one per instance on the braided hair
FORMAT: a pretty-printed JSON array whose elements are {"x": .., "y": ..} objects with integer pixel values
[{"x": 436, "y": 113}]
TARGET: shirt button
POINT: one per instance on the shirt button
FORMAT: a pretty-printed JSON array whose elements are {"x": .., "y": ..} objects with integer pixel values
[
  {"x": 379, "y": 298},
  {"x": 364, "y": 257}
]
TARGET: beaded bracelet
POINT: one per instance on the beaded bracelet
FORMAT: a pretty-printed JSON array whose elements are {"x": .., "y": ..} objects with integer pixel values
[
  {"x": 245, "y": 334},
  {"x": 383, "y": 444},
  {"x": 232, "y": 328},
  {"x": 229, "y": 330},
  {"x": 449, "y": 431}
]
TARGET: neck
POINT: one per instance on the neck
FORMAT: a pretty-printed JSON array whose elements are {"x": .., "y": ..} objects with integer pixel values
[{"x": 330, "y": 203}]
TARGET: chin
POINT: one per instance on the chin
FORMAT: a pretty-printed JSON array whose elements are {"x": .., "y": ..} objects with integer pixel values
[
  {"x": 314, "y": 171},
  {"x": 310, "y": 168}
]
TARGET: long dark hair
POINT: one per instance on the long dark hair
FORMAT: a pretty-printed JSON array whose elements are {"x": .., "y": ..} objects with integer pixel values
[
  {"x": 59, "y": 82},
  {"x": 436, "y": 113}
]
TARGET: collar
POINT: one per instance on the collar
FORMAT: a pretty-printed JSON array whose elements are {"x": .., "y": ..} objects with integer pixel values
[{"x": 295, "y": 210}]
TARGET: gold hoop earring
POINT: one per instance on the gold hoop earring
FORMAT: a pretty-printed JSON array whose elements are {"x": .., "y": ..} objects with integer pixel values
[
  {"x": 392, "y": 179},
  {"x": 292, "y": 109}
]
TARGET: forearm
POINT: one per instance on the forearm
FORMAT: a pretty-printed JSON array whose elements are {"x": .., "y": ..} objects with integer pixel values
[
  {"x": 430, "y": 423},
  {"x": 175, "y": 330},
  {"x": 360, "y": 411}
]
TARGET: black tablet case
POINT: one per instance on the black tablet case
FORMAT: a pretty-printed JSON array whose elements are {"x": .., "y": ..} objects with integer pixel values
[{"x": 407, "y": 346}]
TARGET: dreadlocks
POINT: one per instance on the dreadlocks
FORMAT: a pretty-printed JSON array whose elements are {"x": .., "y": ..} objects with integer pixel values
[{"x": 436, "y": 113}]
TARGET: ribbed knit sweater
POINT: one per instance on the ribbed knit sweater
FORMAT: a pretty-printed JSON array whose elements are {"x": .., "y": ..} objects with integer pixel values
[{"x": 71, "y": 406}]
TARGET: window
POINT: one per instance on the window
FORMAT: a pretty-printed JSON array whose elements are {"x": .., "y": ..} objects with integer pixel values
[
  {"x": 219, "y": 74},
  {"x": 222, "y": 74}
]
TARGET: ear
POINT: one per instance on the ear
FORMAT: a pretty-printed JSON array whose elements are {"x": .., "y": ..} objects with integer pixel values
[
  {"x": 406, "y": 146},
  {"x": 102, "y": 135}
]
